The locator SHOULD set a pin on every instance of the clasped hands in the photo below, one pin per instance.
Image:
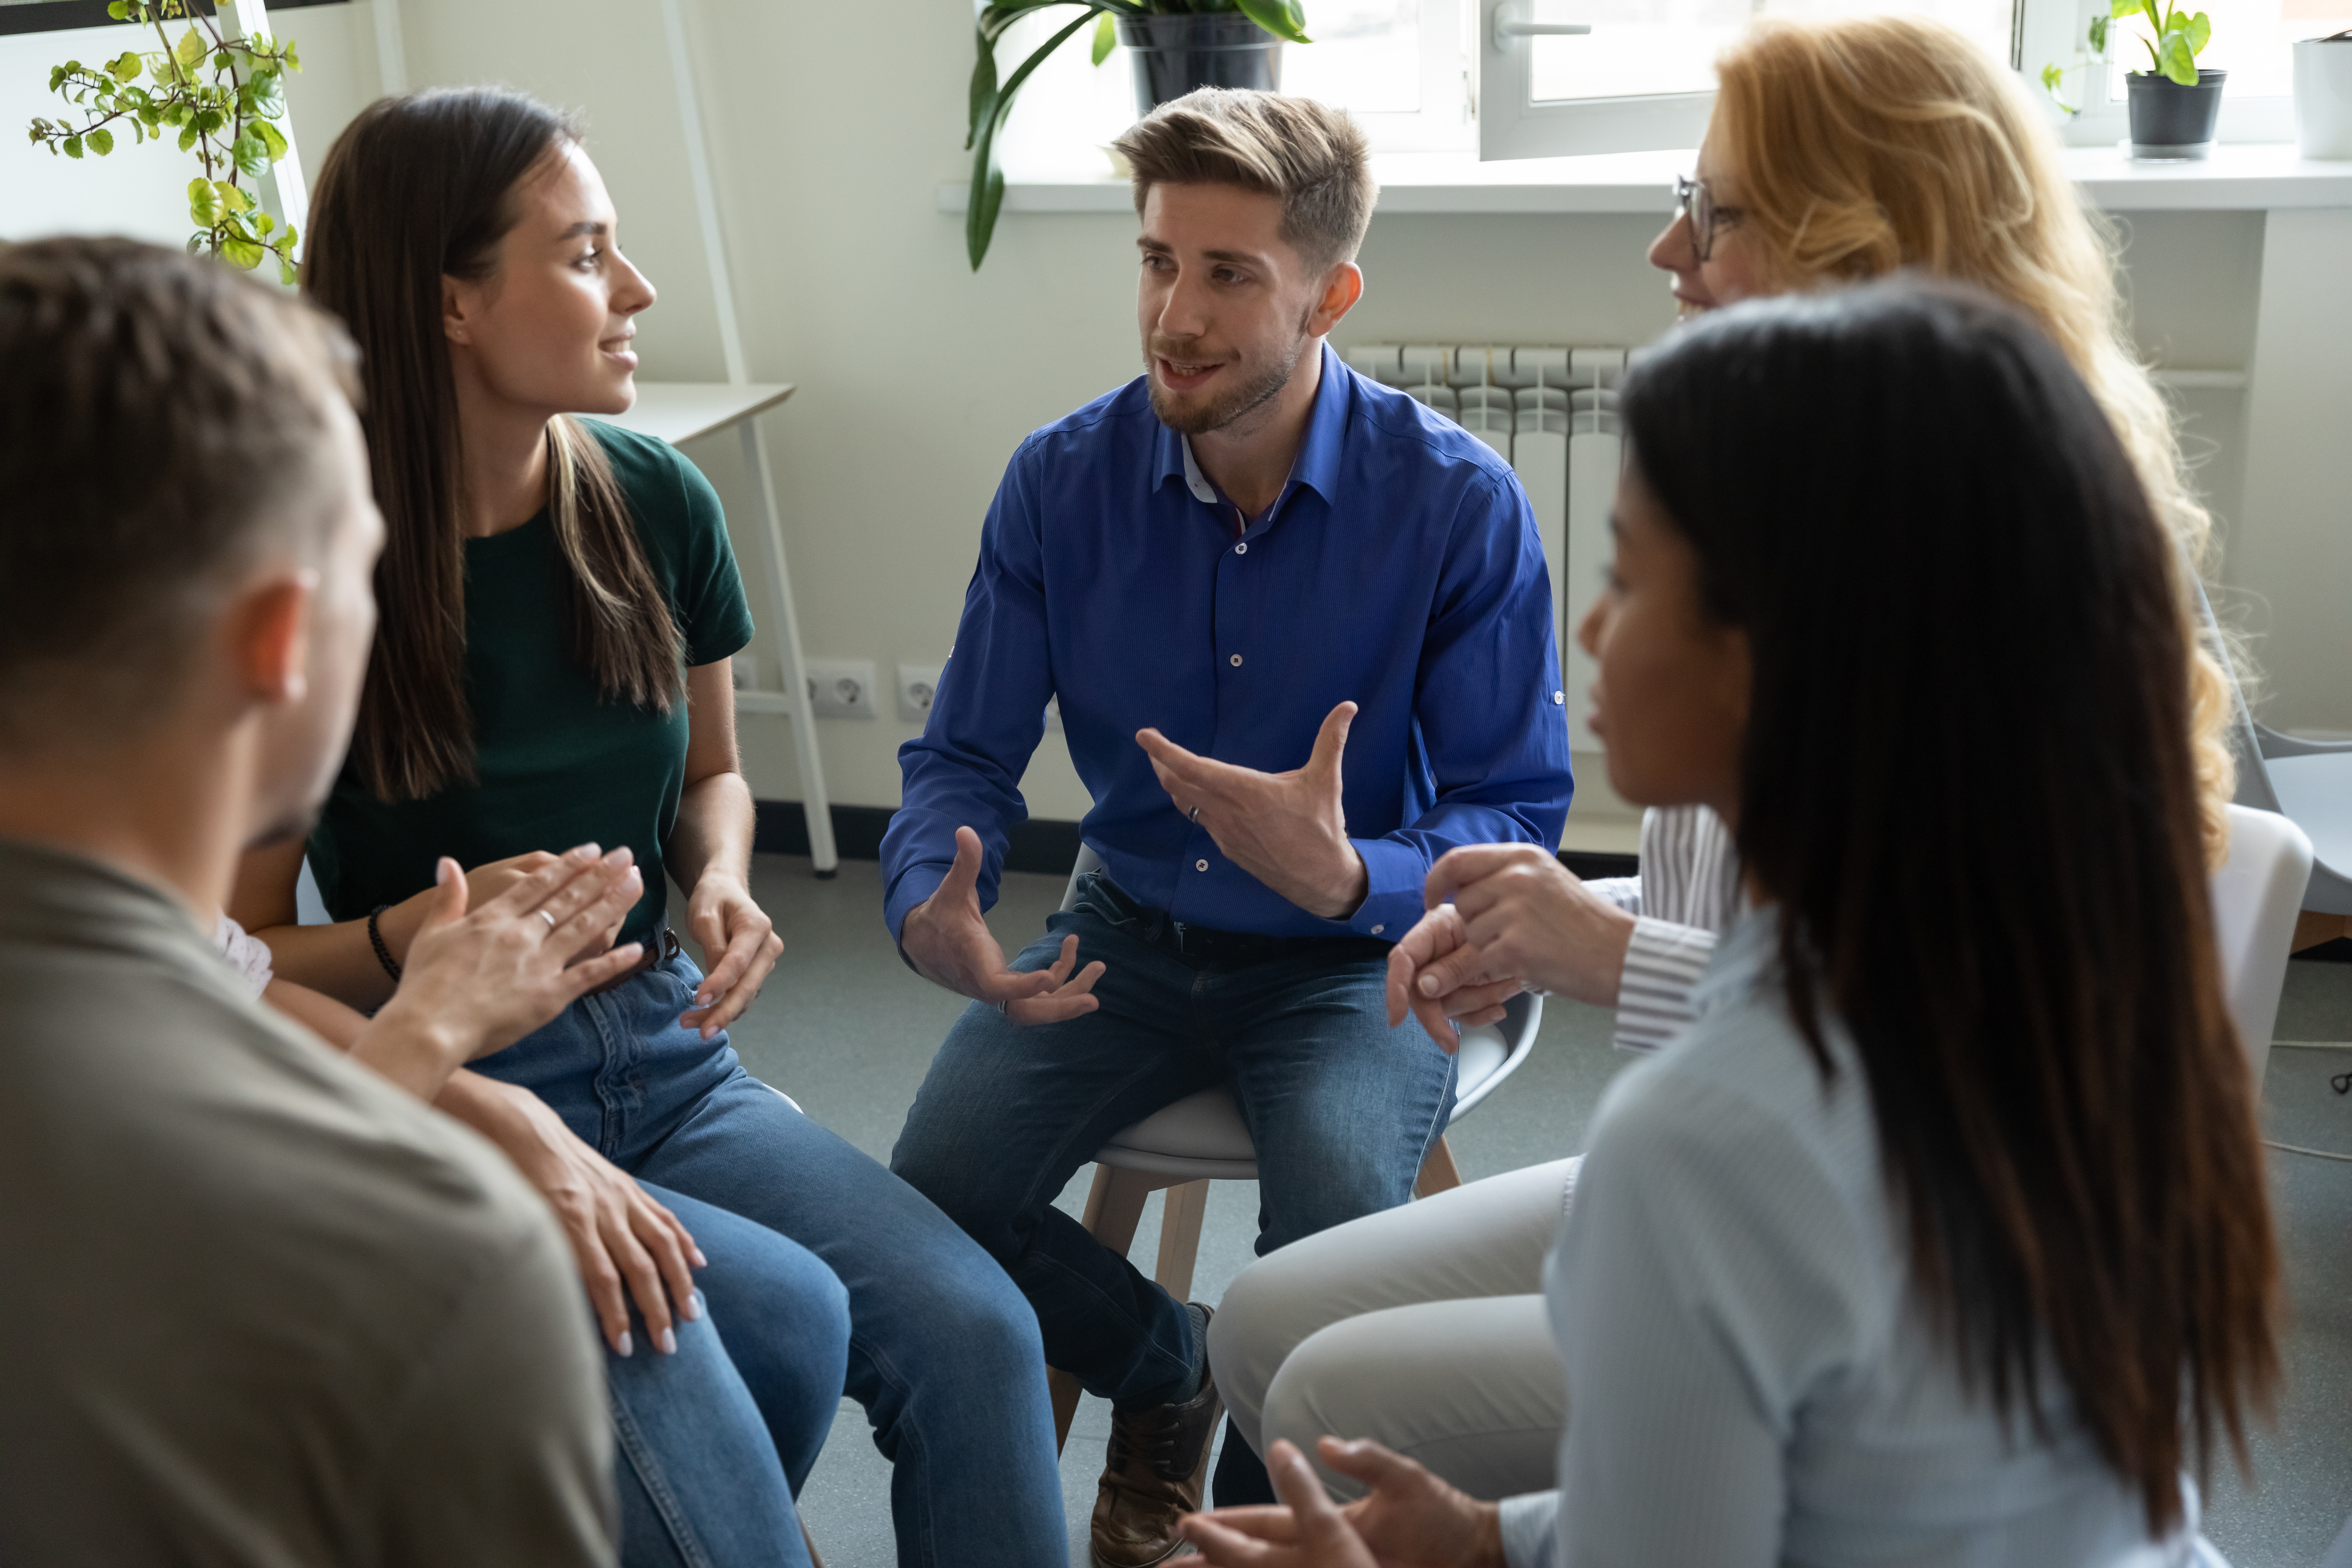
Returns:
(1502, 918)
(1289, 830)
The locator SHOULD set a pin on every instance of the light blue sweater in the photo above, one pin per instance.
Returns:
(1750, 1378)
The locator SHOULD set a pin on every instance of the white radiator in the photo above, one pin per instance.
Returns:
(1552, 413)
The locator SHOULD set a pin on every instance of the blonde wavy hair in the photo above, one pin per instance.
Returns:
(1863, 144)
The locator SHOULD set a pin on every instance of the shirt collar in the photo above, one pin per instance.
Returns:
(1318, 463)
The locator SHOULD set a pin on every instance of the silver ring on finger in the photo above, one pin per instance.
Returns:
(1195, 817)
(550, 919)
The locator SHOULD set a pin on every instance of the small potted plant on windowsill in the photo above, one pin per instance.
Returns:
(1176, 45)
(2174, 106)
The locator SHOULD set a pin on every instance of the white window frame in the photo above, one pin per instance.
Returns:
(1512, 124)
(1445, 120)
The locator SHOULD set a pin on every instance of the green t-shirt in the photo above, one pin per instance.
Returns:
(559, 763)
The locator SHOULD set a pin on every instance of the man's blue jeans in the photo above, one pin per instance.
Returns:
(826, 1274)
(1342, 1109)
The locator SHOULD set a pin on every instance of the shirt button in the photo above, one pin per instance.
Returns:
(1377, 930)
(1241, 549)
(1199, 865)
(1560, 699)
(1235, 661)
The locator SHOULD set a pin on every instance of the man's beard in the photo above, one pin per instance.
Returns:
(1253, 389)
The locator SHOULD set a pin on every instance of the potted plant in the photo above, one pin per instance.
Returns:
(2173, 105)
(1176, 45)
(218, 94)
(2054, 76)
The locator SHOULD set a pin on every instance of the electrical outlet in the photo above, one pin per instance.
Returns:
(841, 687)
(918, 684)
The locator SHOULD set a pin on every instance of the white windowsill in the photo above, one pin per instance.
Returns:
(2239, 177)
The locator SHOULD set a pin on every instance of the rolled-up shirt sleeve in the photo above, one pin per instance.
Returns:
(1530, 1528)
(1662, 964)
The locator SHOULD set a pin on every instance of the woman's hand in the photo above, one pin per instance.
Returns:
(478, 980)
(740, 948)
(1409, 1519)
(1442, 980)
(626, 1244)
(1528, 915)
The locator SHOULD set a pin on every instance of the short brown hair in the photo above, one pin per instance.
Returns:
(163, 422)
(1313, 156)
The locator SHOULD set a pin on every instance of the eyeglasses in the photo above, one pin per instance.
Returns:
(1695, 201)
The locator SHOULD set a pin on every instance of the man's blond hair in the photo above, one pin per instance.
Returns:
(1312, 156)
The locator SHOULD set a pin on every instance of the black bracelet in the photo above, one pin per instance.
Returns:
(376, 940)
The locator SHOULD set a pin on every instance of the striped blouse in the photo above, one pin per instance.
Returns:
(1688, 892)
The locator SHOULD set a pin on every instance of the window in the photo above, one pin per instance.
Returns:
(1401, 67)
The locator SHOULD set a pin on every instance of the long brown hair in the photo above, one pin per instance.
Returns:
(1867, 143)
(415, 189)
(1987, 852)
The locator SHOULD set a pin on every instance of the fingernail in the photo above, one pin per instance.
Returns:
(585, 853)
(693, 1301)
(1429, 985)
(627, 1347)
(620, 857)
(668, 1343)
(699, 1262)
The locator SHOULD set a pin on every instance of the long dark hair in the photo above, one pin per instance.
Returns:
(1968, 784)
(415, 189)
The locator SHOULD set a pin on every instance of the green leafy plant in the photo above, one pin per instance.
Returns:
(219, 95)
(2176, 40)
(2054, 78)
(991, 96)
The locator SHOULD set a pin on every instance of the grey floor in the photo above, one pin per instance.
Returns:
(847, 1031)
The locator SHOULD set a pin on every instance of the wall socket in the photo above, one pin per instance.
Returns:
(841, 687)
(918, 684)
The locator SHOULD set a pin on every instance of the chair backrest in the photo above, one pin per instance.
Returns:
(1087, 861)
(2256, 895)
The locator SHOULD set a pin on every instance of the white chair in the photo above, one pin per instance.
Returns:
(1202, 1138)
(2257, 894)
(2309, 783)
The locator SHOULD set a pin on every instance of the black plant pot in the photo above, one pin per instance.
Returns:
(1174, 54)
(2169, 121)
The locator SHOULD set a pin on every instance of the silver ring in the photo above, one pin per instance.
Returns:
(550, 919)
(1196, 815)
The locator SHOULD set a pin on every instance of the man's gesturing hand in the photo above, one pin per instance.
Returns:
(1288, 830)
(950, 944)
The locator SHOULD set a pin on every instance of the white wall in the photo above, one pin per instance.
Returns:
(832, 125)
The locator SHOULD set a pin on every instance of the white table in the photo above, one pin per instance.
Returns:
(679, 411)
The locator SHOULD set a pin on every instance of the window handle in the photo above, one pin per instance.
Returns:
(1509, 27)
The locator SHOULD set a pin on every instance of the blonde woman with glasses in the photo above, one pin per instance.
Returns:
(1839, 151)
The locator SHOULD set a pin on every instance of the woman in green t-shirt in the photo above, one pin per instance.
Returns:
(558, 603)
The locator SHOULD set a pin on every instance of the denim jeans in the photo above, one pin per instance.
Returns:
(827, 1274)
(1341, 1107)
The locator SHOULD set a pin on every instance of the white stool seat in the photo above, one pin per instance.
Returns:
(1202, 1137)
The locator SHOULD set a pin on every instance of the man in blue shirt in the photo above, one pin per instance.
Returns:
(1300, 629)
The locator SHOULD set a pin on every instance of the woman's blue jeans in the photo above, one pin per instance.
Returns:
(827, 1274)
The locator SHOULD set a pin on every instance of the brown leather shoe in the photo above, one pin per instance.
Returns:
(1157, 1464)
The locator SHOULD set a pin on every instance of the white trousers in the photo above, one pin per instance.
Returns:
(1422, 1328)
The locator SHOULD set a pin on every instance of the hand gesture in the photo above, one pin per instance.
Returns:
(1409, 1519)
(950, 944)
(1444, 981)
(477, 979)
(626, 1244)
(1530, 916)
(1288, 830)
(740, 949)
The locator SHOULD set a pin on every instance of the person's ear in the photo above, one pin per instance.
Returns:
(458, 301)
(1342, 286)
(268, 632)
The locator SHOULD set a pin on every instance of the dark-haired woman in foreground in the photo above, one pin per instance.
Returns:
(1941, 1236)
(559, 604)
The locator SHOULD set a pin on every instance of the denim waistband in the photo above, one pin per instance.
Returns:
(1201, 943)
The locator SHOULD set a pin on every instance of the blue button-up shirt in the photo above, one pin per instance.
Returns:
(1400, 569)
